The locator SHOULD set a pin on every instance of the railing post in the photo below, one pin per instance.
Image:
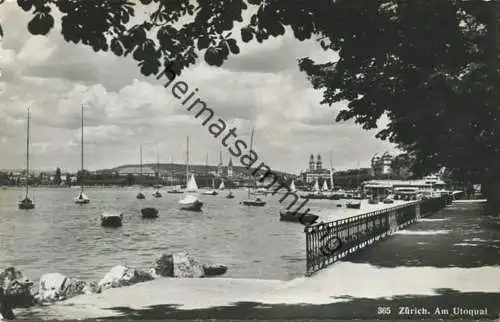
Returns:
(393, 223)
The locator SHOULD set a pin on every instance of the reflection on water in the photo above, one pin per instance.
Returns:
(60, 236)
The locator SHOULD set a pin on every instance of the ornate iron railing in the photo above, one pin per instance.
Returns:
(328, 242)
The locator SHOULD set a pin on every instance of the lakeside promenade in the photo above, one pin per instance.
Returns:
(448, 261)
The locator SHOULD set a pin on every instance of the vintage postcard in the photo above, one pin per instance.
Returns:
(249, 160)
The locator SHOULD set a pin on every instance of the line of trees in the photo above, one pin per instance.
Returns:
(431, 67)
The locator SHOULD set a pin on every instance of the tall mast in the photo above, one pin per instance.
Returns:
(140, 159)
(187, 160)
(27, 151)
(157, 163)
(251, 145)
(357, 176)
(81, 153)
(331, 171)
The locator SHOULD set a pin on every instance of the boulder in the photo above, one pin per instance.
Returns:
(178, 265)
(121, 275)
(187, 266)
(214, 269)
(57, 287)
(91, 288)
(16, 288)
(164, 266)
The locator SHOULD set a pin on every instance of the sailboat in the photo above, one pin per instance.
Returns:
(190, 202)
(253, 202)
(325, 186)
(230, 195)
(140, 195)
(292, 186)
(211, 192)
(352, 203)
(27, 203)
(81, 199)
(316, 187)
(221, 186)
(316, 192)
(157, 193)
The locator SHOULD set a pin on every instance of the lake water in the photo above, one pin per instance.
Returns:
(60, 236)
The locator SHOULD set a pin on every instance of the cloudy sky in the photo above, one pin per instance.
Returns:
(261, 87)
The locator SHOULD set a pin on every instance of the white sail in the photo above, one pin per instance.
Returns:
(191, 185)
(221, 186)
(316, 186)
(292, 186)
(325, 186)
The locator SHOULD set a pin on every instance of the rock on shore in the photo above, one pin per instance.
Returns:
(54, 287)
(183, 265)
(17, 291)
(214, 269)
(16, 288)
(121, 275)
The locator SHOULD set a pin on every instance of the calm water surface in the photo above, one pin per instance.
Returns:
(60, 236)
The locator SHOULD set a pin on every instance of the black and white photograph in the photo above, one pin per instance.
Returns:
(249, 160)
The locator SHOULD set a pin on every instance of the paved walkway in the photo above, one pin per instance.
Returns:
(443, 267)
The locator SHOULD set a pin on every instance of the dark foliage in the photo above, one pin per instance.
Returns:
(429, 66)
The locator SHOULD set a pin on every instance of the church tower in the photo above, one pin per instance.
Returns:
(312, 166)
(220, 165)
(230, 168)
(319, 165)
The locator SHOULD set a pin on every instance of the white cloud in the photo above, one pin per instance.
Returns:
(261, 87)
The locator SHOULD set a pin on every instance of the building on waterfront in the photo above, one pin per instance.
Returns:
(382, 165)
(315, 171)
(136, 170)
(428, 184)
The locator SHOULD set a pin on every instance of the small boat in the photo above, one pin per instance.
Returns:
(389, 199)
(373, 201)
(302, 217)
(339, 205)
(260, 191)
(353, 205)
(111, 219)
(190, 202)
(82, 199)
(140, 195)
(157, 194)
(257, 202)
(335, 196)
(254, 202)
(177, 189)
(316, 195)
(149, 213)
(210, 192)
(230, 195)
(27, 203)
(325, 187)
(221, 186)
